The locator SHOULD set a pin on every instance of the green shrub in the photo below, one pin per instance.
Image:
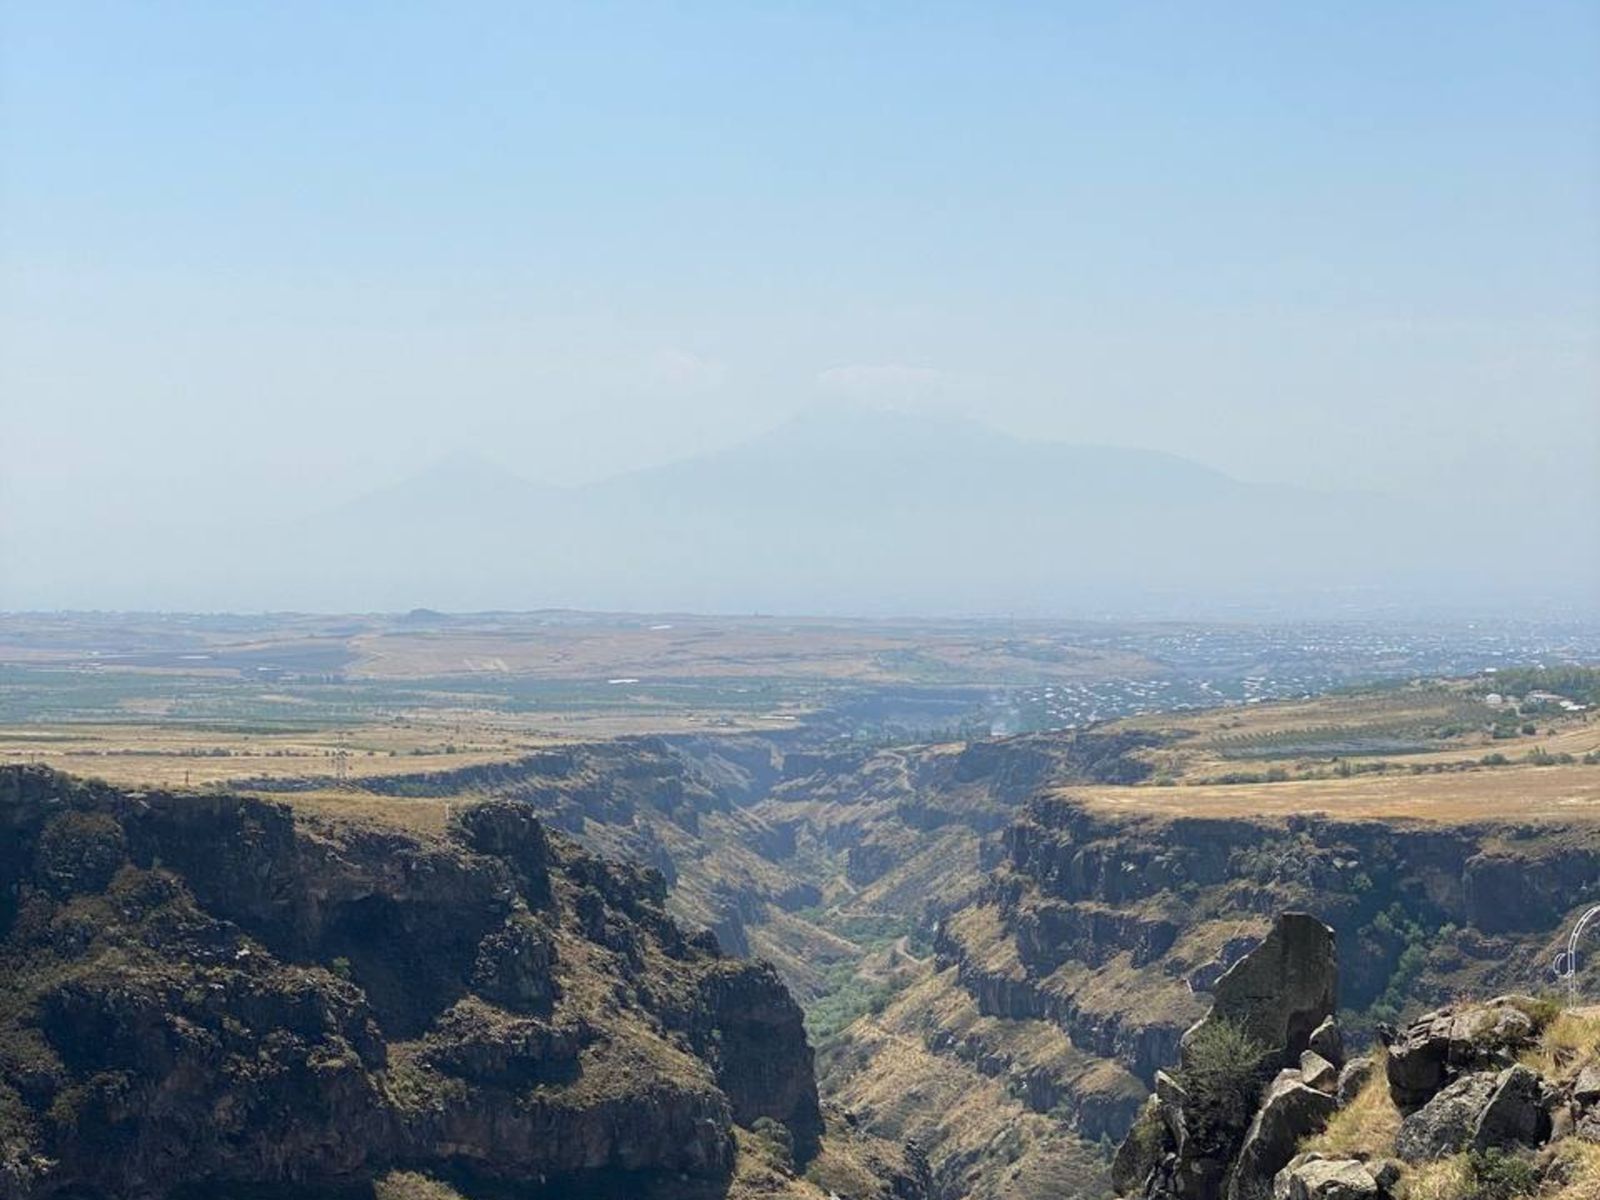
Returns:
(1149, 1134)
(1497, 1175)
(778, 1138)
(1541, 1010)
(1222, 1073)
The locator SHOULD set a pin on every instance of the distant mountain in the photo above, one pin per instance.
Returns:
(461, 485)
(881, 459)
(849, 509)
(842, 508)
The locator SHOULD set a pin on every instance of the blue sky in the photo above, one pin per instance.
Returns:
(323, 244)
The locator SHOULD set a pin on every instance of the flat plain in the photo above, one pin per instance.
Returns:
(326, 702)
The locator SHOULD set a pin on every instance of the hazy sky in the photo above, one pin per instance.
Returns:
(294, 250)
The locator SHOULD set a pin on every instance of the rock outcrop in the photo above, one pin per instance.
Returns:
(1322, 1177)
(1481, 1111)
(1446, 1122)
(1451, 1077)
(1197, 1139)
(1445, 1044)
(1290, 1111)
(1283, 990)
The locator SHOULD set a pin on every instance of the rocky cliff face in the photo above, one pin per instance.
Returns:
(1073, 967)
(213, 991)
(1117, 928)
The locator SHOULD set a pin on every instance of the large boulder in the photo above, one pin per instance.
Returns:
(1516, 1112)
(1446, 1123)
(1284, 989)
(1586, 1088)
(1353, 1076)
(1320, 1177)
(1289, 1112)
(1277, 996)
(1319, 1073)
(1480, 1111)
(1447, 1043)
(1327, 1040)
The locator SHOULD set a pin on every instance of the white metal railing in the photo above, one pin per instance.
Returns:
(1566, 964)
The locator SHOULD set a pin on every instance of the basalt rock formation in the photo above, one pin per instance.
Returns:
(203, 992)
(1117, 928)
(1283, 992)
(1197, 1139)
(1457, 1083)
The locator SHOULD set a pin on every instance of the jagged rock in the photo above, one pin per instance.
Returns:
(729, 912)
(79, 852)
(1482, 1110)
(1283, 989)
(1588, 1126)
(1143, 1149)
(484, 1045)
(1204, 977)
(1515, 1113)
(754, 1037)
(1328, 1040)
(513, 832)
(1352, 1078)
(1319, 1177)
(1278, 994)
(1289, 1112)
(1440, 1046)
(515, 966)
(1586, 1088)
(1172, 1098)
(1445, 1124)
(1319, 1073)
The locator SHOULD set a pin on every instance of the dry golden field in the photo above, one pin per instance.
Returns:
(1445, 779)
(157, 754)
(1561, 793)
(571, 647)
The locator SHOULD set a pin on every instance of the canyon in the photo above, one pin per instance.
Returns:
(586, 965)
